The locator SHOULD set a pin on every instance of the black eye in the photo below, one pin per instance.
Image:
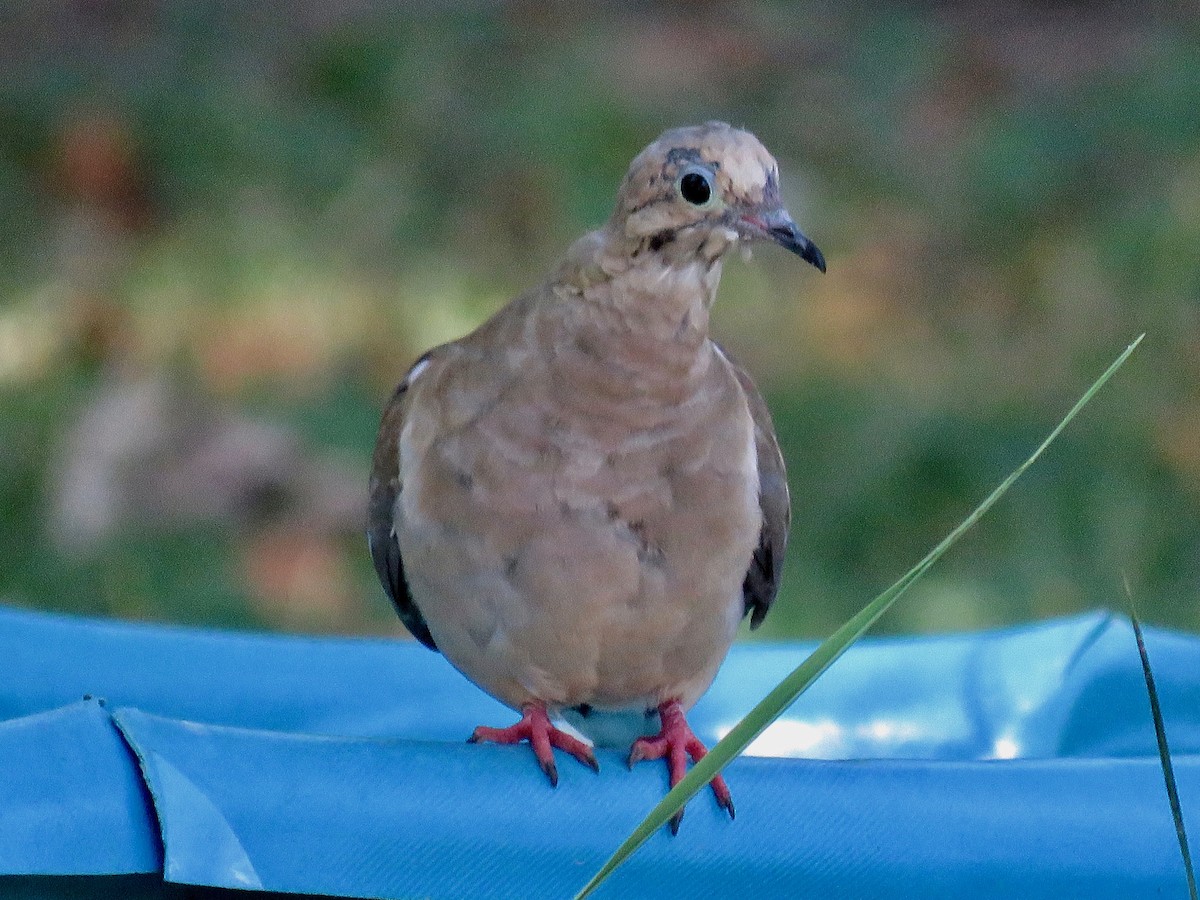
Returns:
(695, 188)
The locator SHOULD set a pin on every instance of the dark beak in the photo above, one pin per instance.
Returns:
(779, 227)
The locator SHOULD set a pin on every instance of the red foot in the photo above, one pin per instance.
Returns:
(676, 742)
(535, 727)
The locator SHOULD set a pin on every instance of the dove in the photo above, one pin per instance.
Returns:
(578, 502)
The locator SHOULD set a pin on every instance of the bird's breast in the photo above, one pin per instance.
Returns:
(575, 547)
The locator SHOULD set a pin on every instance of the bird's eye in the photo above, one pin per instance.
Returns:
(695, 186)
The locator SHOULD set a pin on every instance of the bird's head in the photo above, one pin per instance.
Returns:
(703, 188)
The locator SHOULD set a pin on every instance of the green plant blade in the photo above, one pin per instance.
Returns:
(786, 692)
(1164, 752)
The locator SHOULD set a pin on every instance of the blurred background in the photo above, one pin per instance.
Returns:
(227, 229)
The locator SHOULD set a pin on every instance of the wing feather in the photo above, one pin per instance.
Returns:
(386, 483)
(766, 565)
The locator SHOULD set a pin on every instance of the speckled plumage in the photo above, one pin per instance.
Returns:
(577, 502)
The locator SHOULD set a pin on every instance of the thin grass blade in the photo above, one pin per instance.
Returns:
(1164, 752)
(786, 692)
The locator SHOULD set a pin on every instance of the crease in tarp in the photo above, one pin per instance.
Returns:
(183, 808)
(183, 801)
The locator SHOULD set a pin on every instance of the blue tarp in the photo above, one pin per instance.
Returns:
(1015, 763)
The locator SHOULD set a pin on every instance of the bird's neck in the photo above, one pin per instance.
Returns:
(660, 286)
(640, 322)
(665, 302)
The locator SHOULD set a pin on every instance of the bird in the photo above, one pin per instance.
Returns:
(579, 501)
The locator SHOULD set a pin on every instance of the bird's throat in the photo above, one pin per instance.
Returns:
(641, 336)
(667, 303)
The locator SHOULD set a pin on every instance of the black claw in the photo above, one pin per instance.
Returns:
(551, 771)
(728, 805)
(473, 739)
(594, 764)
(674, 823)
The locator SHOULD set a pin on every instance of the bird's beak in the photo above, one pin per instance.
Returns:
(779, 227)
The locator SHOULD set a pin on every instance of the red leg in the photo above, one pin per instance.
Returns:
(675, 742)
(535, 727)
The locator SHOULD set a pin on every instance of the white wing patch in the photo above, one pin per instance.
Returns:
(421, 365)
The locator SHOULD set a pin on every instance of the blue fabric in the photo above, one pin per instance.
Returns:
(71, 799)
(338, 766)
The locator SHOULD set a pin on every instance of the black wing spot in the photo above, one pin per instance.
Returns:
(389, 566)
(758, 589)
(660, 240)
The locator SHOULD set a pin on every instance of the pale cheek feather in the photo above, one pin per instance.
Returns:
(746, 173)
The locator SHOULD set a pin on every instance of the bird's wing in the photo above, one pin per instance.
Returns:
(381, 510)
(766, 566)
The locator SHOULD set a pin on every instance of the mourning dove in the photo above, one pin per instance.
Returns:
(579, 501)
